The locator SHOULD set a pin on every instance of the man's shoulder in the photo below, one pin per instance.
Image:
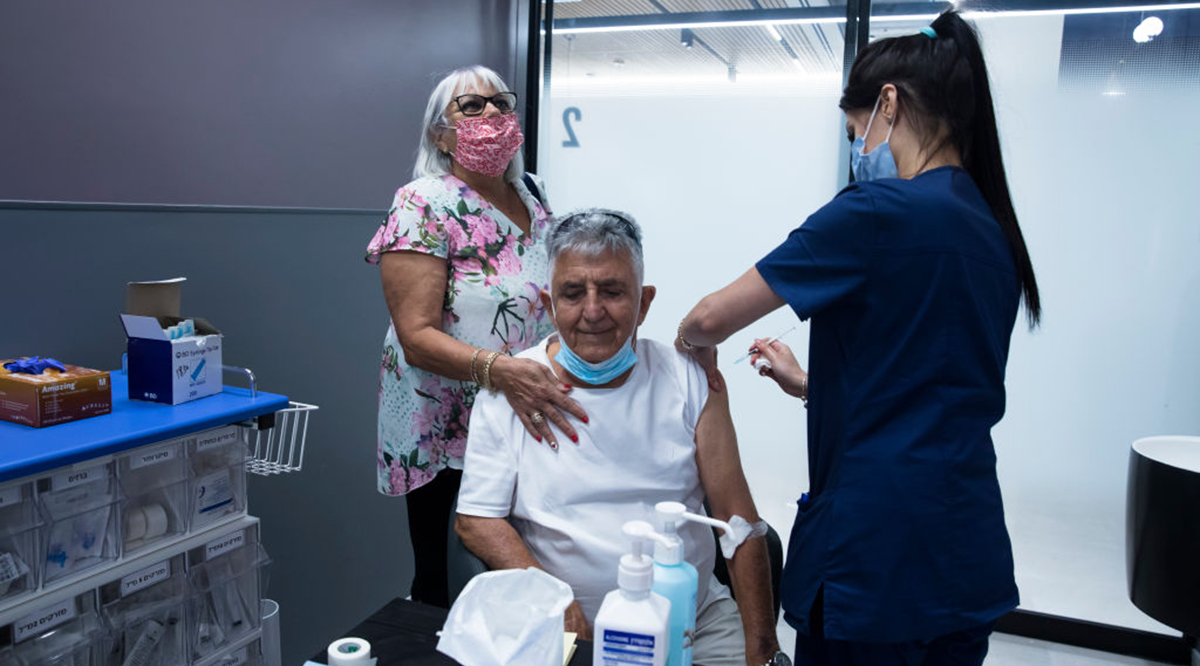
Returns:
(537, 352)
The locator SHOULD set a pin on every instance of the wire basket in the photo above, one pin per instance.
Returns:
(280, 449)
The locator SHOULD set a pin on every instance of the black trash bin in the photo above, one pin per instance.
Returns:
(1162, 531)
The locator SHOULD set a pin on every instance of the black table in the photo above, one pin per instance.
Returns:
(405, 632)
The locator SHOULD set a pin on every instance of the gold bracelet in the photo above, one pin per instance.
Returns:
(487, 371)
(687, 346)
(474, 375)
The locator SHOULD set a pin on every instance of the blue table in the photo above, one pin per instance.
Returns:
(132, 423)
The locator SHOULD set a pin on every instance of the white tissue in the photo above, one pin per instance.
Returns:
(506, 617)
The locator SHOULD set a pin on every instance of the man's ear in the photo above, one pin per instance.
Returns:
(648, 293)
(547, 303)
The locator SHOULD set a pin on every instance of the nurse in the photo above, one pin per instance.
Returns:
(912, 277)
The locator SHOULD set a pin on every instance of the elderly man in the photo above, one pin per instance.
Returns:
(655, 432)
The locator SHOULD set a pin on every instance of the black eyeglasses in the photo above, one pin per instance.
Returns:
(474, 105)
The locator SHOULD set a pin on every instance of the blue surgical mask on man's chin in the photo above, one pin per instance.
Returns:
(600, 373)
(879, 163)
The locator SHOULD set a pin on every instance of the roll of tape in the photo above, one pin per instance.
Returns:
(350, 652)
(135, 524)
(156, 520)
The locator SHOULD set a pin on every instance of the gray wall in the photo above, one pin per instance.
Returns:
(308, 103)
(289, 289)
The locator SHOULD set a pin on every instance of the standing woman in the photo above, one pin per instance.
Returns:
(913, 277)
(462, 257)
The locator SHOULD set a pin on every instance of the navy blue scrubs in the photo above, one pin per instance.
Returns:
(913, 296)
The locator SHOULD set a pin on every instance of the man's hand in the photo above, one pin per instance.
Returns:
(574, 621)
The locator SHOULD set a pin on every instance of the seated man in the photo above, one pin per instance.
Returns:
(654, 432)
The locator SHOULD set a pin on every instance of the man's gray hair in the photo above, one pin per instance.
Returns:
(431, 161)
(594, 230)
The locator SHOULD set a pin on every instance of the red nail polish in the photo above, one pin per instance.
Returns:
(585, 419)
(575, 438)
(567, 386)
(538, 438)
(553, 446)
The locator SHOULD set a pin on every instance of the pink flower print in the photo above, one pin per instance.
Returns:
(425, 420)
(457, 447)
(491, 280)
(533, 303)
(417, 200)
(455, 234)
(397, 477)
(506, 261)
(418, 477)
(430, 385)
(483, 230)
(467, 266)
(431, 226)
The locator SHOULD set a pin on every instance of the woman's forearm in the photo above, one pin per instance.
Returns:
(729, 310)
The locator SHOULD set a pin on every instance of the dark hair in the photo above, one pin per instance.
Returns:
(943, 84)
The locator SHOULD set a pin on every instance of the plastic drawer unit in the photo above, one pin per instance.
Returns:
(227, 578)
(20, 540)
(79, 506)
(66, 633)
(156, 507)
(146, 613)
(218, 462)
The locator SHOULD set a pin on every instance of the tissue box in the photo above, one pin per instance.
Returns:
(52, 396)
(161, 369)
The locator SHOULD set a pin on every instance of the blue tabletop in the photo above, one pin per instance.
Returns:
(132, 423)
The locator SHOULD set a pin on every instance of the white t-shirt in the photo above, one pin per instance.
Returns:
(638, 449)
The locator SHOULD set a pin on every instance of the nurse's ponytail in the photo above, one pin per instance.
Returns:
(942, 79)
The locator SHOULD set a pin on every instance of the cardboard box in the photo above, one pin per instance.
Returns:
(161, 369)
(53, 396)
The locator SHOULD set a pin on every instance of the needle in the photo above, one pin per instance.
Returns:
(755, 350)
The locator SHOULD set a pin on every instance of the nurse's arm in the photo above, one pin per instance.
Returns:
(728, 495)
(725, 312)
(494, 541)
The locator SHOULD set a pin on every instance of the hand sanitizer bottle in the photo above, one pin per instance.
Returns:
(631, 627)
(676, 580)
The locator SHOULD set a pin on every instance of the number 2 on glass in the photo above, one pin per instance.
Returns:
(569, 113)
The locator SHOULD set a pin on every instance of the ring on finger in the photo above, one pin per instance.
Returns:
(537, 418)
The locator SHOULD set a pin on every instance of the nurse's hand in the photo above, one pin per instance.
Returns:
(707, 358)
(783, 368)
(575, 622)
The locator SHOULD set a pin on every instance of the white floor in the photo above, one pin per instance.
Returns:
(1006, 650)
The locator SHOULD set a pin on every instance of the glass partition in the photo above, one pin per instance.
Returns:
(715, 123)
(1096, 146)
(719, 134)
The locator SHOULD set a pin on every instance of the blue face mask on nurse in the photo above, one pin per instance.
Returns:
(878, 163)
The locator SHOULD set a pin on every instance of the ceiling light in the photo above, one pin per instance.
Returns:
(774, 33)
(879, 19)
(1149, 29)
(687, 38)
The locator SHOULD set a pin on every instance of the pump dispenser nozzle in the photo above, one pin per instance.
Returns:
(670, 515)
(636, 573)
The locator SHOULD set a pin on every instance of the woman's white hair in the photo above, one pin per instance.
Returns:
(431, 161)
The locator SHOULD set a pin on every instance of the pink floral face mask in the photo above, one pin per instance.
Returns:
(487, 145)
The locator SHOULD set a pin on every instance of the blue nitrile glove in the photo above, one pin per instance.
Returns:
(34, 366)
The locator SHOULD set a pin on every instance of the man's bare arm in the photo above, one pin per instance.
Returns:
(494, 541)
(728, 495)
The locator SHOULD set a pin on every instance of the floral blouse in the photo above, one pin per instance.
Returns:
(494, 272)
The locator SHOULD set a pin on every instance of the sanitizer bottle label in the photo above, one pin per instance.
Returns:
(622, 648)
